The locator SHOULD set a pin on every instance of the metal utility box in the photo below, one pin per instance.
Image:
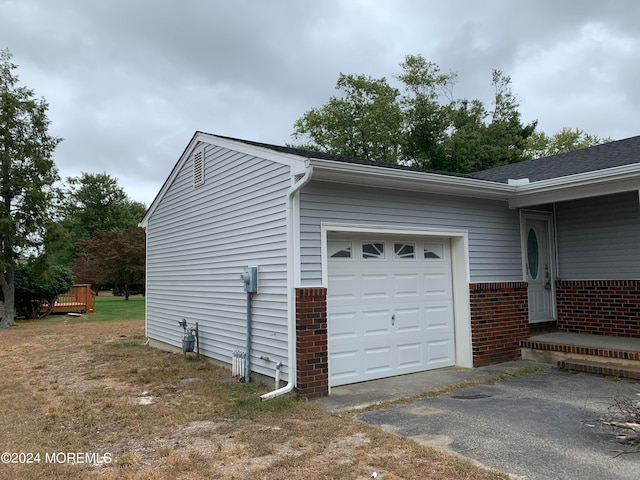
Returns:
(249, 277)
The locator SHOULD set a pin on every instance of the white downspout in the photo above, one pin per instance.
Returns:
(291, 265)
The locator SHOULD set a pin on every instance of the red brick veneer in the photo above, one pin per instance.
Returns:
(499, 321)
(312, 361)
(601, 307)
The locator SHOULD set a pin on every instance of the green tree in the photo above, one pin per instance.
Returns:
(542, 145)
(365, 121)
(480, 139)
(424, 127)
(428, 109)
(95, 201)
(27, 176)
(116, 256)
(91, 203)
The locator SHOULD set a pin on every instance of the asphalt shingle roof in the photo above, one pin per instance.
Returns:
(340, 158)
(607, 155)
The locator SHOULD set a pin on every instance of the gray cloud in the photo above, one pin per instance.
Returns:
(129, 82)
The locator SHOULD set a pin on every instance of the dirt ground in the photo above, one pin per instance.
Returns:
(85, 399)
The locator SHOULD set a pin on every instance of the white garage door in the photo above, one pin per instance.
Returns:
(390, 307)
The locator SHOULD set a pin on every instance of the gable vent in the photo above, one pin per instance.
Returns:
(198, 167)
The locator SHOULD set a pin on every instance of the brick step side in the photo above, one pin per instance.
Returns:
(599, 368)
(612, 353)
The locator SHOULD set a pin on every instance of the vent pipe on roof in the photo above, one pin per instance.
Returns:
(518, 182)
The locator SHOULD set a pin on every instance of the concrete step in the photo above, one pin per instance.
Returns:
(609, 369)
(552, 348)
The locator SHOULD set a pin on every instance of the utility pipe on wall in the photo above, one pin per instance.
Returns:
(247, 368)
(249, 277)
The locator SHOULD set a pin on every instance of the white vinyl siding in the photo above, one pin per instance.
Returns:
(200, 239)
(599, 238)
(494, 229)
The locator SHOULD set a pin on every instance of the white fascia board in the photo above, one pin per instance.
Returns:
(589, 184)
(376, 176)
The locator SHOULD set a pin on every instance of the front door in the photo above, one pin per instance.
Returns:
(539, 267)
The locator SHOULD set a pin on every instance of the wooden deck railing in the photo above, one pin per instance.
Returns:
(79, 299)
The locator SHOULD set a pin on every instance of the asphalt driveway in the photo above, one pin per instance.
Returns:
(538, 426)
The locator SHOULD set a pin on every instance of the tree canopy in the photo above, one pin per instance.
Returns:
(542, 145)
(27, 176)
(365, 122)
(423, 125)
(95, 201)
(88, 204)
(116, 256)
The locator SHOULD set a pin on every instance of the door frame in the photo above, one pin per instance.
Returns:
(549, 218)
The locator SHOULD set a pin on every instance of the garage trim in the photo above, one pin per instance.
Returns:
(460, 274)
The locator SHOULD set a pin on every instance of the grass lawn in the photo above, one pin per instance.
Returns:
(86, 398)
(110, 308)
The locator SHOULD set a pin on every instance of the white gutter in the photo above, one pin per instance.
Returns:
(580, 185)
(291, 265)
(396, 178)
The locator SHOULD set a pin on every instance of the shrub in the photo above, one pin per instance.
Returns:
(37, 286)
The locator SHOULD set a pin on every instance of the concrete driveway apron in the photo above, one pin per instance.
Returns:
(538, 426)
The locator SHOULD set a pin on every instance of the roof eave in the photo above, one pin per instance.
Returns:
(386, 177)
(582, 185)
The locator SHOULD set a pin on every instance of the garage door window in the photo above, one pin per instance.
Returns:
(373, 251)
(433, 251)
(403, 251)
(340, 248)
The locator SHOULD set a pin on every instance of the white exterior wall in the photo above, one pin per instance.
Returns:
(199, 240)
(493, 229)
(599, 238)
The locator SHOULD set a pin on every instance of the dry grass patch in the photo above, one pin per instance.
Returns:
(95, 387)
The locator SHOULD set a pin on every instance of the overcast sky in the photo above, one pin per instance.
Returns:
(128, 82)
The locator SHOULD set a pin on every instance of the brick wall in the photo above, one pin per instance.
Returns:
(601, 307)
(499, 320)
(312, 361)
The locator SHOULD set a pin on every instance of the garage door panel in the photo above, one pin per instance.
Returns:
(375, 322)
(439, 317)
(343, 288)
(406, 285)
(344, 366)
(377, 360)
(408, 320)
(411, 355)
(374, 286)
(438, 285)
(439, 352)
(392, 314)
